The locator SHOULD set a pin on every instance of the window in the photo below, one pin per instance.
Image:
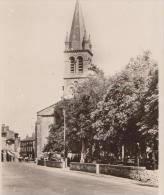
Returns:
(72, 64)
(80, 64)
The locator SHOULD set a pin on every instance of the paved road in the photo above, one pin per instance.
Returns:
(30, 179)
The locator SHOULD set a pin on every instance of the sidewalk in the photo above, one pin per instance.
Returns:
(103, 177)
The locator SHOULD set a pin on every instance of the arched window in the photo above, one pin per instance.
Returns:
(72, 64)
(80, 64)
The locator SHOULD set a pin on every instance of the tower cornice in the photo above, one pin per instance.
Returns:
(77, 51)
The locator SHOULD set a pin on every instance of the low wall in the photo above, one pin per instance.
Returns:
(132, 172)
(86, 167)
(40, 162)
(54, 164)
(121, 171)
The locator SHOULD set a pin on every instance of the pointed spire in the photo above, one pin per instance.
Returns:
(77, 29)
(66, 42)
(89, 40)
(84, 40)
(85, 35)
(66, 39)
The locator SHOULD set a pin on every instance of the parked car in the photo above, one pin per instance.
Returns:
(54, 156)
(26, 159)
(20, 158)
(130, 161)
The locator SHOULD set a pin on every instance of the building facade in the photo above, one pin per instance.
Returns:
(27, 147)
(78, 59)
(45, 118)
(10, 144)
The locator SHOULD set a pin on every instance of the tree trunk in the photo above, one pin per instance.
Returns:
(123, 153)
(83, 151)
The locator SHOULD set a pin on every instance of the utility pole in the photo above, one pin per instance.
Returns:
(64, 116)
(64, 139)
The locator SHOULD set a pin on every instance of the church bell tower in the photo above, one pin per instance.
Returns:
(78, 53)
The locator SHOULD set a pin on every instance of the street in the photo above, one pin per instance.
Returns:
(30, 179)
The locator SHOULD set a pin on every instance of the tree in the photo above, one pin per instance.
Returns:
(119, 114)
(105, 114)
(79, 132)
(85, 100)
(148, 125)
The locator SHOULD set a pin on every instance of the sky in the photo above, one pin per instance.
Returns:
(32, 38)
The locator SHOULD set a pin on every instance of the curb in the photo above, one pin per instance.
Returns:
(109, 176)
(122, 179)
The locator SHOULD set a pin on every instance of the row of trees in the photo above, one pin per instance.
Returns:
(107, 114)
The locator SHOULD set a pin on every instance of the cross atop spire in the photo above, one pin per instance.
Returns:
(77, 30)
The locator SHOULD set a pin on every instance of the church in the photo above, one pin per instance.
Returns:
(78, 59)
